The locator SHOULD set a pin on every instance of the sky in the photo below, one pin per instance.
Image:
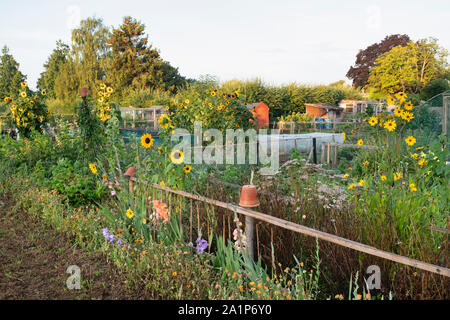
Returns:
(279, 41)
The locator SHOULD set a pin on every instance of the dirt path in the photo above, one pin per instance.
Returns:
(34, 259)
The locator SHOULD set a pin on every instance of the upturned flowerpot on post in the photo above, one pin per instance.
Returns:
(130, 174)
(249, 199)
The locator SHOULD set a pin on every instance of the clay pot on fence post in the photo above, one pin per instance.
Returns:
(130, 174)
(249, 199)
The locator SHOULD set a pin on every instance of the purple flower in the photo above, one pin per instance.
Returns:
(107, 235)
(202, 244)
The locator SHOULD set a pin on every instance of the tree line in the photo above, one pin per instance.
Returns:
(123, 58)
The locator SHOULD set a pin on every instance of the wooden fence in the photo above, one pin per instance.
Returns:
(252, 215)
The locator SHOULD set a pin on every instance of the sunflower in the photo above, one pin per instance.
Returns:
(164, 121)
(360, 142)
(401, 95)
(362, 182)
(365, 163)
(412, 187)
(410, 140)
(383, 178)
(408, 116)
(103, 86)
(373, 121)
(23, 84)
(390, 125)
(423, 162)
(397, 176)
(187, 168)
(100, 100)
(43, 92)
(129, 213)
(160, 150)
(177, 157)
(408, 106)
(93, 168)
(398, 112)
(7, 99)
(23, 94)
(109, 90)
(147, 140)
(390, 101)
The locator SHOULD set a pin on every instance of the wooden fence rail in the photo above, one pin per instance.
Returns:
(312, 232)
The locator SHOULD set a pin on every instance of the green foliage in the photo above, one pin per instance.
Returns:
(28, 110)
(52, 68)
(408, 68)
(134, 63)
(434, 87)
(10, 76)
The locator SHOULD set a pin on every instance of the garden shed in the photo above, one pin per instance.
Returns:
(142, 117)
(324, 111)
(260, 112)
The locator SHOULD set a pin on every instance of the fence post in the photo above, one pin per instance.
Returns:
(250, 235)
(322, 154)
(445, 98)
(314, 150)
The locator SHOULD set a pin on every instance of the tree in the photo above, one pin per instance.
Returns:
(432, 59)
(408, 68)
(10, 76)
(171, 78)
(395, 70)
(89, 47)
(134, 63)
(365, 59)
(52, 68)
(83, 65)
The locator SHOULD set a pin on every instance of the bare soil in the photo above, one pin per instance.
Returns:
(34, 259)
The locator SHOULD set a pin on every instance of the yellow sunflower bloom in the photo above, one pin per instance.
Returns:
(423, 162)
(23, 84)
(408, 106)
(373, 121)
(408, 116)
(103, 86)
(410, 140)
(129, 213)
(383, 178)
(390, 125)
(398, 112)
(412, 187)
(43, 92)
(93, 168)
(109, 90)
(360, 142)
(362, 182)
(23, 94)
(397, 176)
(390, 101)
(147, 140)
(177, 157)
(187, 168)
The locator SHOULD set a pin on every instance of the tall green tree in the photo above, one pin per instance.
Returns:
(365, 59)
(10, 75)
(408, 68)
(134, 63)
(52, 68)
(89, 47)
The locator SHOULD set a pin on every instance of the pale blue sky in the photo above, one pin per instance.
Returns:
(280, 41)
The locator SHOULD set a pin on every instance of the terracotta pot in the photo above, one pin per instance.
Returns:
(249, 197)
(130, 172)
(83, 92)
